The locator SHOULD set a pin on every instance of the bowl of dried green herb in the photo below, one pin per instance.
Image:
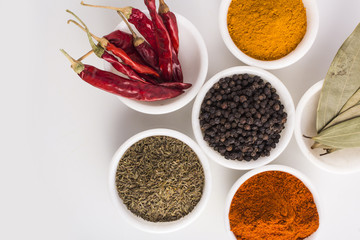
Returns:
(159, 180)
(342, 161)
(328, 115)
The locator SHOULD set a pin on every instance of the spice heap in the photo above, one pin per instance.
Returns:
(338, 113)
(160, 179)
(273, 205)
(242, 117)
(149, 62)
(266, 30)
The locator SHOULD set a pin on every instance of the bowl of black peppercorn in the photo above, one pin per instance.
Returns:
(243, 117)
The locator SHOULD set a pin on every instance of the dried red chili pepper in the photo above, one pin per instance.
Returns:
(170, 23)
(124, 69)
(124, 41)
(141, 22)
(115, 84)
(121, 40)
(101, 53)
(143, 48)
(177, 85)
(120, 53)
(127, 60)
(176, 68)
(164, 46)
(169, 64)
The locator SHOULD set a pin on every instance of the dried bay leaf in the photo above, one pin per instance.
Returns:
(341, 81)
(343, 135)
(327, 149)
(348, 114)
(319, 145)
(354, 100)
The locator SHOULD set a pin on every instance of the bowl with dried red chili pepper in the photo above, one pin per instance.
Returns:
(193, 57)
(273, 202)
(243, 117)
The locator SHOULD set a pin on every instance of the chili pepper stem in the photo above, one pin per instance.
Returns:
(102, 41)
(99, 6)
(85, 28)
(163, 8)
(76, 23)
(98, 50)
(67, 10)
(85, 55)
(77, 66)
(126, 10)
(137, 40)
(126, 22)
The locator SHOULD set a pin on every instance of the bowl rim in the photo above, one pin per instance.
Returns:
(282, 168)
(140, 223)
(189, 94)
(306, 151)
(286, 134)
(312, 16)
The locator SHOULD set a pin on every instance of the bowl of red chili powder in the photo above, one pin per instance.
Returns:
(273, 202)
(269, 34)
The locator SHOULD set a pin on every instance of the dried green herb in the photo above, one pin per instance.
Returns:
(338, 113)
(328, 151)
(348, 114)
(343, 135)
(354, 100)
(319, 145)
(160, 179)
(326, 148)
(341, 81)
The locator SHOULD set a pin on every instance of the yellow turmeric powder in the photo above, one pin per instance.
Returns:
(266, 29)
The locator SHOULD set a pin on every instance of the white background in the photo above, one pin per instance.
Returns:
(58, 134)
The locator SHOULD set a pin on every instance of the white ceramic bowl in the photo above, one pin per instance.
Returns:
(165, 227)
(281, 168)
(344, 161)
(193, 57)
(312, 16)
(286, 134)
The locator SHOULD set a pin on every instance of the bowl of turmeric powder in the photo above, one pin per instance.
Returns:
(269, 34)
(273, 202)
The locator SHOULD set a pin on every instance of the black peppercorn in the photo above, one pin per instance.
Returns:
(242, 117)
